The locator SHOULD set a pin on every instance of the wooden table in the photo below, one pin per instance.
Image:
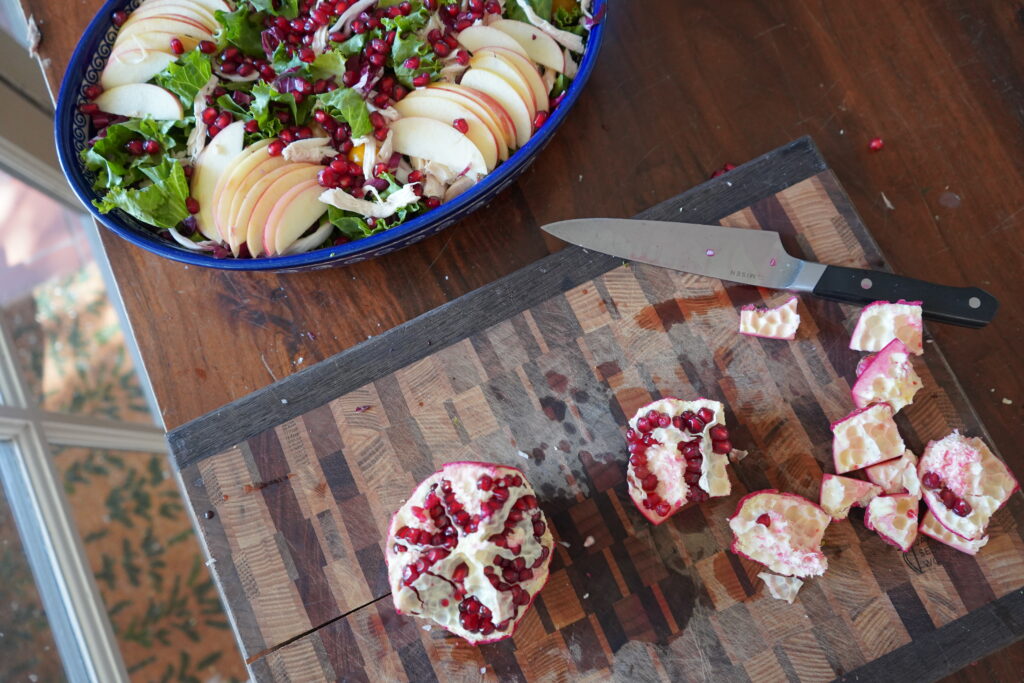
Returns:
(680, 89)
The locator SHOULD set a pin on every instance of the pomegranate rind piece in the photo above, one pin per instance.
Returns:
(770, 323)
(431, 593)
(791, 543)
(781, 587)
(973, 473)
(897, 476)
(881, 322)
(839, 494)
(894, 518)
(665, 461)
(863, 363)
(888, 377)
(931, 528)
(867, 436)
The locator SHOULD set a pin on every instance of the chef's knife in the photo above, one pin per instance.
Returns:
(757, 257)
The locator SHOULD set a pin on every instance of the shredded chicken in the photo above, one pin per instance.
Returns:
(319, 43)
(452, 71)
(351, 13)
(312, 150)
(389, 113)
(197, 138)
(369, 144)
(311, 241)
(189, 244)
(585, 8)
(563, 38)
(387, 148)
(373, 209)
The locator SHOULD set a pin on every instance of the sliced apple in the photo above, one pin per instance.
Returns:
(488, 61)
(183, 7)
(206, 174)
(166, 25)
(536, 44)
(135, 66)
(293, 214)
(260, 201)
(528, 71)
(138, 100)
(484, 106)
(424, 138)
(494, 85)
(447, 111)
(198, 17)
(250, 172)
(211, 5)
(234, 179)
(479, 37)
(152, 41)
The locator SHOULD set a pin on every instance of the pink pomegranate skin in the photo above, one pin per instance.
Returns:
(470, 549)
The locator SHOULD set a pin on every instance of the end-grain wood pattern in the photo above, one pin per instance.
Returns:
(293, 517)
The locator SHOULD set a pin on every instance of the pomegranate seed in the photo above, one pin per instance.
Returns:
(134, 147)
(177, 47)
(643, 425)
(432, 202)
(252, 126)
(765, 520)
(412, 63)
(442, 49)
(695, 425)
(706, 415)
(948, 498)
(246, 68)
(151, 147)
(229, 67)
(119, 17)
(931, 480)
(192, 205)
(93, 91)
(307, 55)
(662, 508)
(539, 528)
(359, 26)
(275, 148)
(421, 80)
(718, 432)
(493, 7)
(638, 459)
(381, 134)
(961, 507)
(650, 482)
(876, 144)
(664, 421)
(722, 446)
(212, 131)
(209, 115)
(207, 47)
(461, 125)
(89, 108)
(224, 120)
(484, 483)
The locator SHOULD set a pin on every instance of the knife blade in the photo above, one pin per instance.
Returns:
(757, 257)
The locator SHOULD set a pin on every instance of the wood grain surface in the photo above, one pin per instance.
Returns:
(681, 88)
(294, 516)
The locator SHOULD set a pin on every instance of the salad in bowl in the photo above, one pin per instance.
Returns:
(267, 128)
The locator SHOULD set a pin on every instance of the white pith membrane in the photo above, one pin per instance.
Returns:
(470, 549)
(897, 476)
(894, 518)
(839, 494)
(682, 472)
(963, 484)
(865, 437)
(881, 322)
(781, 587)
(932, 528)
(772, 323)
(888, 377)
(790, 542)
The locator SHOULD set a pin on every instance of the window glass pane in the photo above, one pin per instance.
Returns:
(164, 608)
(27, 649)
(54, 304)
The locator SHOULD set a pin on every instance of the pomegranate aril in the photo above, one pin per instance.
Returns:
(649, 483)
(764, 520)
(662, 508)
(948, 498)
(484, 483)
(718, 432)
(93, 91)
(643, 425)
(723, 447)
(706, 415)
(151, 147)
(691, 477)
(931, 480)
(962, 507)
(207, 47)
(134, 147)
(275, 148)
(421, 80)
(177, 47)
(209, 115)
(539, 528)
(695, 425)
(461, 125)
(119, 17)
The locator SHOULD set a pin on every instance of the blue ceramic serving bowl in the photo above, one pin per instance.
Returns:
(72, 134)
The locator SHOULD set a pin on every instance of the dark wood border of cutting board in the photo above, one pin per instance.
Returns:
(378, 357)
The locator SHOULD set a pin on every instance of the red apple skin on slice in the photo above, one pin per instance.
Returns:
(256, 221)
(252, 171)
(294, 213)
(165, 7)
(151, 41)
(447, 111)
(482, 105)
(228, 180)
(537, 46)
(493, 85)
(170, 25)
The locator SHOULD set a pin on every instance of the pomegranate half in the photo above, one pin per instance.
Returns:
(678, 451)
(470, 550)
(964, 483)
(782, 531)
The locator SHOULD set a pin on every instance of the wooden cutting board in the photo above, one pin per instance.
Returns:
(293, 487)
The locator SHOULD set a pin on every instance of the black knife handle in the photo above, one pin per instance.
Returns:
(965, 306)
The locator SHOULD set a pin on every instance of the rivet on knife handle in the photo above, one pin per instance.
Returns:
(965, 306)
